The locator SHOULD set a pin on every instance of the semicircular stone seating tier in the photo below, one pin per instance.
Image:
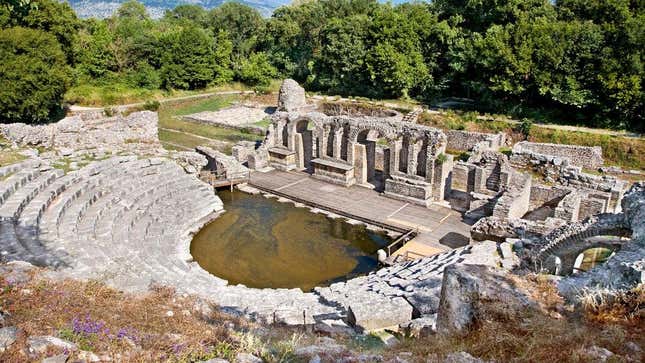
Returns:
(566, 243)
(129, 222)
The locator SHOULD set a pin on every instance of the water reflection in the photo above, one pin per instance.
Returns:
(260, 242)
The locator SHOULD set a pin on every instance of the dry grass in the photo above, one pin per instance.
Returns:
(627, 307)
(139, 328)
(125, 327)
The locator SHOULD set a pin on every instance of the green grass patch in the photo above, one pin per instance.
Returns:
(118, 92)
(177, 138)
(9, 156)
(168, 119)
(263, 123)
(625, 152)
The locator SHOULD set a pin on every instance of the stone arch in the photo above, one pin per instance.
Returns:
(568, 242)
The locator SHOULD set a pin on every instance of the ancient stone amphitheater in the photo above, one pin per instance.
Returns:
(128, 221)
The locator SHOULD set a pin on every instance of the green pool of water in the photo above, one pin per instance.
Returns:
(260, 242)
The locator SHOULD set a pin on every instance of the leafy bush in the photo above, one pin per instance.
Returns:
(152, 105)
(524, 127)
(34, 75)
(144, 76)
(257, 70)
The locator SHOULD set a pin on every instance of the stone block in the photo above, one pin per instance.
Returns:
(380, 314)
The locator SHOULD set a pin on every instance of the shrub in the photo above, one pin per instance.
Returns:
(524, 127)
(34, 75)
(257, 70)
(144, 76)
(152, 105)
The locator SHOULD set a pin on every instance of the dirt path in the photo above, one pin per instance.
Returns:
(76, 108)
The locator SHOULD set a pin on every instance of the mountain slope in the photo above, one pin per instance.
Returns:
(156, 8)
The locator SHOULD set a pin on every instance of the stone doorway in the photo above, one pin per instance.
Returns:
(371, 160)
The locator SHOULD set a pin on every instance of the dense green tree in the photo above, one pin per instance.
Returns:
(187, 14)
(579, 59)
(257, 70)
(243, 24)
(340, 66)
(95, 50)
(50, 16)
(33, 73)
(188, 61)
(394, 62)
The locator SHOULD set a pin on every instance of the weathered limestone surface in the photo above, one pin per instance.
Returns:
(221, 163)
(514, 202)
(291, 97)
(499, 229)
(466, 140)
(342, 149)
(129, 222)
(585, 156)
(465, 291)
(135, 132)
(234, 117)
(418, 281)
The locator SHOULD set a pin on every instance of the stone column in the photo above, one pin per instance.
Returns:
(360, 163)
(413, 153)
(395, 150)
(338, 142)
(386, 163)
(278, 133)
(324, 140)
(300, 151)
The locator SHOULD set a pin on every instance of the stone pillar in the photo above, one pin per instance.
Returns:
(278, 133)
(338, 142)
(395, 150)
(386, 163)
(370, 153)
(270, 138)
(441, 178)
(413, 153)
(300, 151)
(360, 163)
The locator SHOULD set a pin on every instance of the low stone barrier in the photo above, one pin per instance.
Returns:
(466, 140)
(584, 156)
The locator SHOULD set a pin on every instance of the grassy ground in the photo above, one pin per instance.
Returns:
(116, 93)
(7, 155)
(162, 326)
(628, 153)
(190, 134)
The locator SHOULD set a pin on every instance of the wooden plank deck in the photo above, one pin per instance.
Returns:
(440, 227)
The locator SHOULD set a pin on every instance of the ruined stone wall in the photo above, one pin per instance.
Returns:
(466, 140)
(514, 203)
(584, 156)
(135, 131)
(542, 194)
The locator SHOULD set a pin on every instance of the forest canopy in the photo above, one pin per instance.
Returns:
(582, 59)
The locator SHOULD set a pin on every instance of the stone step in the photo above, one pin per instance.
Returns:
(15, 182)
(14, 205)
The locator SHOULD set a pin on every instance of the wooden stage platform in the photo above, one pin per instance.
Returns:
(440, 228)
